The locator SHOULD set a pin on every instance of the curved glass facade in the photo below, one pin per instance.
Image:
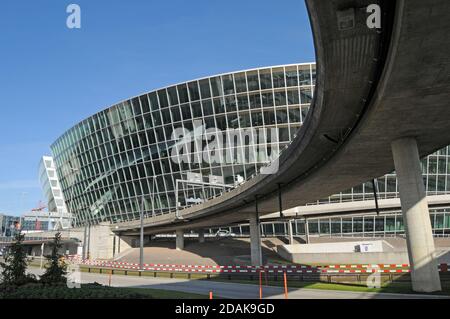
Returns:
(121, 159)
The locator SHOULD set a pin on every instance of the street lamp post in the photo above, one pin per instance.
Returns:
(73, 169)
(141, 242)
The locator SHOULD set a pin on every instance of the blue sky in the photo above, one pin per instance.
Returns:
(52, 77)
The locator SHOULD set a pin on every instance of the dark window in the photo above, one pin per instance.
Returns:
(305, 76)
(144, 103)
(204, 89)
(176, 115)
(255, 100)
(269, 118)
(182, 93)
(291, 76)
(163, 102)
(278, 78)
(219, 106)
(306, 95)
(193, 91)
(173, 98)
(242, 102)
(207, 107)
(153, 101)
(293, 97)
(230, 102)
(294, 115)
(228, 85)
(266, 79)
(166, 116)
(241, 85)
(252, 79)
(156, 118)
(216, 86)
(282, 115)
(196, 109)
(280, 98)
(267, 99)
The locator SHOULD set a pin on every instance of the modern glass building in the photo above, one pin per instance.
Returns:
(122, 158)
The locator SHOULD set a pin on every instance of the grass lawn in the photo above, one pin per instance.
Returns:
(396, 287)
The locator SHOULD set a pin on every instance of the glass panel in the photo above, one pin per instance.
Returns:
(193, 91)
(304, 75)
(207, 107)
(346, 225)
(280, 98)
(242, 102)
(368, 224)
(163, 102)
(173, 97)
(335, 225)
(153, 101)
(255, 101)
(305, 95)
(358, 225)
(278, 78)
(183, 93)
(439, 223)
(216, 86)
(293, 96)
(252, 79)
(204, 89)
(267, 99)
(265, 78)
(379, 223)
(324, 226)
(228, 85)
(313, 226)
(291, 76)
(241, 85)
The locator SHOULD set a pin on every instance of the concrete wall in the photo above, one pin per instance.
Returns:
(101, 242)
(388, 257)
(339, 247)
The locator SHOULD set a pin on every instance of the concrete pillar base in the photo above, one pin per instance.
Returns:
(201, 236)
(255, 240)
(290, 233)
(416, 216)
(179, 240)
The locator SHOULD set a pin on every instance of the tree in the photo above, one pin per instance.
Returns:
(15, 266)
(56, 270)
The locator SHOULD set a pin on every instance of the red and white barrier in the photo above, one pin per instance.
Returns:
(303, 269)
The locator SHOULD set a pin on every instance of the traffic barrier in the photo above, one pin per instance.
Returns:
(289, 269)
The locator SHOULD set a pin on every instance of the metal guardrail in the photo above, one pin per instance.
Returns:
(34, 238)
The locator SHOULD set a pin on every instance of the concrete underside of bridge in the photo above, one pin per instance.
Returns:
(373, 87)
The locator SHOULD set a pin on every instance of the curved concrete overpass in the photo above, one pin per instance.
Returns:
(373, 87)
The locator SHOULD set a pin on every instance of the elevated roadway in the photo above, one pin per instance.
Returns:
(381, 102)
(373, 87)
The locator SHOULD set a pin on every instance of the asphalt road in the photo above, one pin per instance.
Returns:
(233, 290)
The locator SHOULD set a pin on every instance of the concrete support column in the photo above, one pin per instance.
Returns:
(416, 216)
(306, 231)
(201, 236)
(85, 243)
(290, 233)
(255, 240)
(180, 240)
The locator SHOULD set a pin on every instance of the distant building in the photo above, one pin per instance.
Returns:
(36, 221)
(56, 204)
(7, 223)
